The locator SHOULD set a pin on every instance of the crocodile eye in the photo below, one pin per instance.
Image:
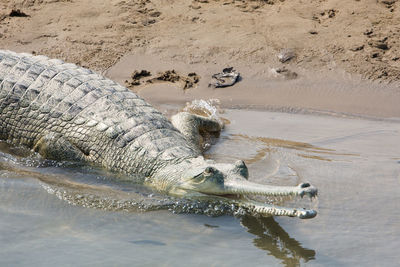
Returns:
(210, 170)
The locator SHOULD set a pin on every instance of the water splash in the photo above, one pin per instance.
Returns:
(207, 108)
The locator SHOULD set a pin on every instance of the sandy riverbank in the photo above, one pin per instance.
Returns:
(345, 52)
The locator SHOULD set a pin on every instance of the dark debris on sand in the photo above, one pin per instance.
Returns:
(136, 76)
(17, 13)
(171, 76)
(227, 77)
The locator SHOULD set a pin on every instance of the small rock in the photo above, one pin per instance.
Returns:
(17, 13)
(288, 74)
(285, 55)
(195, 6)
(383, 74)
(148, 22)
(331, 13)
(155, 14)
(133, 83)
(389, 2)
(357, 48)
(312, 32)
(374, 54)
(368, 32)
(316, 18)
(379, 44)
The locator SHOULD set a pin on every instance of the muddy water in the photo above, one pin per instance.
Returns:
(355, 164)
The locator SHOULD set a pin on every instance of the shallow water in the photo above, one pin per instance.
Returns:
(354, 163)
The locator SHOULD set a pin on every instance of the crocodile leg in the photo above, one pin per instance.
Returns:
(197, 129)
(54, 146)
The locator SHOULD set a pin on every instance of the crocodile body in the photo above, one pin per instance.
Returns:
(66, 112)
(96, 119)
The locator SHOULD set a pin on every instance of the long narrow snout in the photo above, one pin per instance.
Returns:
(244, 187)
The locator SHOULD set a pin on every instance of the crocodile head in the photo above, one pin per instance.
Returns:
(229, 182)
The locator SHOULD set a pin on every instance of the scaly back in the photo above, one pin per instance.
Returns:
(55, 104)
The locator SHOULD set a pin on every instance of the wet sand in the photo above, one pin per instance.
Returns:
(357, 36)
(334, 93)
(338, 48)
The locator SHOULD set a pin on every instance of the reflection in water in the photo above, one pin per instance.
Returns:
(108, 194)
(274, 239)
(113, 194)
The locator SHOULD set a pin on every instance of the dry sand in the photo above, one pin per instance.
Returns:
(347, 53)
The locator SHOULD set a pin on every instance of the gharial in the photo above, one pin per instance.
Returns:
(66, 112)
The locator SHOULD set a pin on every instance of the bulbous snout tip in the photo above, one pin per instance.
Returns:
(306, 214)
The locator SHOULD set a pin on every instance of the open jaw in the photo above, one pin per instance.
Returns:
(235, 193)
(272, 210)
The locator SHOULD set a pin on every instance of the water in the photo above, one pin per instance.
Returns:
(354, 163)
